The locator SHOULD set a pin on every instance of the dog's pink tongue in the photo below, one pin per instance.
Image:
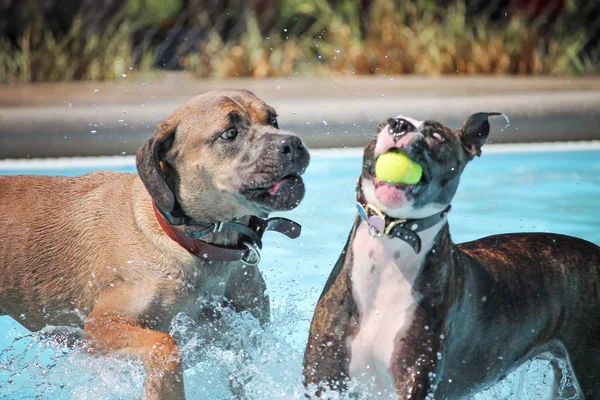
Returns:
(274, 188)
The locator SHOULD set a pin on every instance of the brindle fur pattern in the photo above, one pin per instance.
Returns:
(484, 307)
(485, 303)
(338, 320)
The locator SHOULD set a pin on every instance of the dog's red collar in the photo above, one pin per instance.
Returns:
(249, 254)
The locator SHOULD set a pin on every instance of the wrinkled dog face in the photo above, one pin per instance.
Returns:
(223, 156)
(441, 152)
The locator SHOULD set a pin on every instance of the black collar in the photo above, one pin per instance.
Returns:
(381, 224)
(252, 241)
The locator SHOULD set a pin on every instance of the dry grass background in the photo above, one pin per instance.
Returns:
(313, 37)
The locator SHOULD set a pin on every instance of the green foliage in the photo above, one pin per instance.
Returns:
(394, 37)
(311, 37)
(153, 11)
(42, 55)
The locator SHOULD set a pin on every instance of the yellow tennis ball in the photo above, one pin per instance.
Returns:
(396, 167)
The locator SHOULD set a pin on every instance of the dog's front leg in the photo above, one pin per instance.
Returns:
(416, 382)
(326, 359)
(416, 355)
(245, 291)
(158, 351)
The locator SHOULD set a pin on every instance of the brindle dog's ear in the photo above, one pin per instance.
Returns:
(474, 133)
(148, 165)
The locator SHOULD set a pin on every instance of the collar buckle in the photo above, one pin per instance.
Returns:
(379, 223)
(392, 224)
(249, 254)
(252, 258)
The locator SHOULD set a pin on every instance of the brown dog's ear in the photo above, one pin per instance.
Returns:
(148, 166)
(474, 133)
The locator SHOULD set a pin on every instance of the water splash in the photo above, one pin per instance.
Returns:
(32, 365)
(507, 123)
(265, 361)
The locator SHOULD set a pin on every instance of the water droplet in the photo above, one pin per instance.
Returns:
(324, 122)
(124, 75)
(70, 104)
(93, 132)
(507, 123)
(96, 90)
(123, 153)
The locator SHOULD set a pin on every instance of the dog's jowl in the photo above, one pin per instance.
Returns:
(408, 314)
(127, 252)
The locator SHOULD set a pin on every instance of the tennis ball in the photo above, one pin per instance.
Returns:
(396, 167)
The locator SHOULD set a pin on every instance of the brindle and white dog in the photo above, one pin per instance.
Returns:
(128, 252)
(410, 315)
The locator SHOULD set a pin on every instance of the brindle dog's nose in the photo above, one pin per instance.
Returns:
(290, 145)
(399, 127)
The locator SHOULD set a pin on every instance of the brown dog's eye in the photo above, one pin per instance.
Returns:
(274, 121)
(229, 134)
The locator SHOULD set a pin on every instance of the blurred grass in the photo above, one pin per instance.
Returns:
(43, 55)
(307, 37)
(397, 38)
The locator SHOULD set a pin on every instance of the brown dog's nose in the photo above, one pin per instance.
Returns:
(290, 146)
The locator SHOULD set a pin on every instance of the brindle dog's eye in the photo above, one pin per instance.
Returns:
(229, 134)
(438, 137)
(274, 121)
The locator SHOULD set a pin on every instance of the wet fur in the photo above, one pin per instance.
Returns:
(88, 251)
(492, 308)
(484, 307)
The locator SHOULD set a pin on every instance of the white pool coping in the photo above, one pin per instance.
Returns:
(129, 160)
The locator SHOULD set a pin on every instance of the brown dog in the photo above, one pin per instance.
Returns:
(104, 251)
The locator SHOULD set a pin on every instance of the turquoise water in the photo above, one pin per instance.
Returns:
(500, 192)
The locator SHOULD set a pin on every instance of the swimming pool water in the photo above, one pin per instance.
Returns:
(556, 191)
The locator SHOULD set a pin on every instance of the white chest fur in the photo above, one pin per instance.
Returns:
(383, 273)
